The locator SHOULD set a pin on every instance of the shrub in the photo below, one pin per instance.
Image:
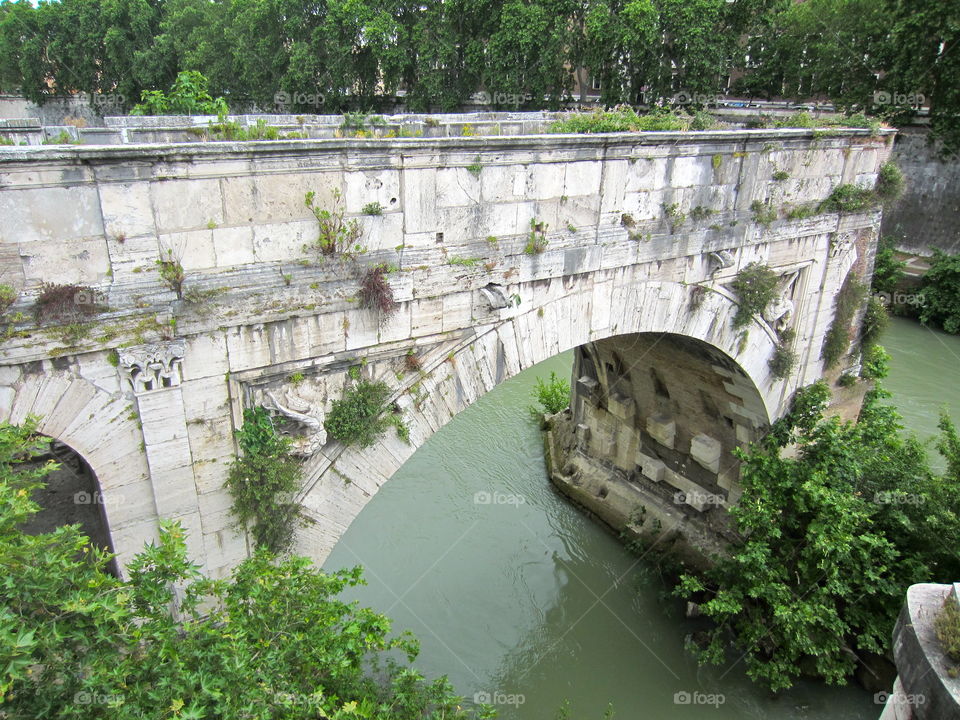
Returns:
(337, 235)
(780, 175)
(837, 339)
(849, 198)
(941, 292)
(674, 215)
(261, 481)
(274, 640)
(947, 626)
(188, 96)
(8, 296)
(357, 418)
(755, 287)
(887, 270)
(763, 213)
(537, 239)
(171, 271)
(875, 321)
(621, 119)
(375, 291)
(65, 303)
(783, 360)
(373, 208)
(876, 363)
(797, 588)
(890, 182)
(553, 394)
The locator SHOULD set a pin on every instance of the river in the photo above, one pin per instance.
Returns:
(523, 601)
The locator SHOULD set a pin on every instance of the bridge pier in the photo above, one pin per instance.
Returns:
(647, 444)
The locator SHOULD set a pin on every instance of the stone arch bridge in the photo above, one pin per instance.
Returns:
(148, 374)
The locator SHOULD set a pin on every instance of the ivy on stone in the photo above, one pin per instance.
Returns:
(262, 481)
(755, 287)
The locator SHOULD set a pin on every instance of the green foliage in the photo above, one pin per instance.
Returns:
(887, 270)
(941, 292)
(337, 235)
(837, 340)
(553, 395)
(890, 182)
(802, 212)
(780, 175)
(262, 480)
(464, 262)
(674, 215)
(876, 363)
(537, 239)
(475, 167)
(849, 198)
(763, 213)
(188, 96)
(875, 321)
(233, 131)
(755, 287)
(172, 273)
(622, 119)
(61, 138)
(358, 417)
(947, 626)
(372, 208)
(782, 361)
(828, 539)
(273, 641)
(701, 213)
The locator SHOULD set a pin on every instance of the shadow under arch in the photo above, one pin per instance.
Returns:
(70, 496)
(99, 426)
(340, 482)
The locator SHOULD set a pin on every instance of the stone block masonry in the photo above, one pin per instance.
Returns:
(503, 251)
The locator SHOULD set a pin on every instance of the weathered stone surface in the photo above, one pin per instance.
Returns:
(663, 429)
(259, 312)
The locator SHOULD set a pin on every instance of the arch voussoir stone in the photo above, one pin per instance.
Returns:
(516, 344)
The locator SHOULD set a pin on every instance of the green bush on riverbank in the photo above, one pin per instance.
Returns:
(829, 541)
(273, 641)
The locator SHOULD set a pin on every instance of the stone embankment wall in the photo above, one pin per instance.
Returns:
(927, 217)
(502, 251)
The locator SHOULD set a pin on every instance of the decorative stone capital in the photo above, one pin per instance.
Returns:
(153, 367)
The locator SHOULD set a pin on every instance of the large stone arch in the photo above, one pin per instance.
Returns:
(102, 428)
(339, 484)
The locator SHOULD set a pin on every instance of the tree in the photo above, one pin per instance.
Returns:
(273, 641)
(829, 540)
(941, 292)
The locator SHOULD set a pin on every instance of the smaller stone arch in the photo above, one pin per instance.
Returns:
(101, 428)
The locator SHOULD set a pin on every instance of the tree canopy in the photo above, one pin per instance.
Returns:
(877, 56)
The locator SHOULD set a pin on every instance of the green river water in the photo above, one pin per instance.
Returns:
(524, 602)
